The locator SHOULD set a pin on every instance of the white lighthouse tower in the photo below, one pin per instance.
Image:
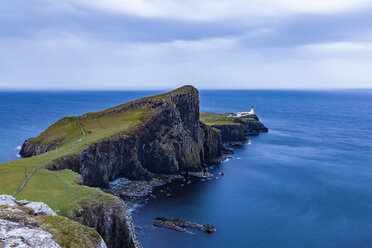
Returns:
(252, 111)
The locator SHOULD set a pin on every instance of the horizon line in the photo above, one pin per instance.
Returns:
(169, 89)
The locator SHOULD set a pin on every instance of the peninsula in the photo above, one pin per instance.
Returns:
(159, 135)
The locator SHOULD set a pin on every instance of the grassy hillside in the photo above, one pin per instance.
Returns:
(58, 189)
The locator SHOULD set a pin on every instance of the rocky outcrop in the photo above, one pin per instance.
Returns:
(13, 234)
(35, 224)
(38, 208)
(112, 221)
(179, 225)
(235, 133)
(252, 125)
(232, 134)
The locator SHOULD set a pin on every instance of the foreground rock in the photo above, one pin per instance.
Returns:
(13, 234)
(35, 224)
(38, 208)
(179, 225)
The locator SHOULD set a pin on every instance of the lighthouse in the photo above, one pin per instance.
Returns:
(252, 111)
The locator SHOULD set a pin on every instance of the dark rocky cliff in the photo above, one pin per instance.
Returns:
(252, 125)
(212, 143)
(112, 221)
(232, 133)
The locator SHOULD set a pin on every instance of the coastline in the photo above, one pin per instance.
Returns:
(162, 135)
(137, 193)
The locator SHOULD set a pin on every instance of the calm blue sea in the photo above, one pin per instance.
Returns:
(307, 183)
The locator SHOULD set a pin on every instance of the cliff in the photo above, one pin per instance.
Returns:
(252, 125)
(234, 130)
(111, 220)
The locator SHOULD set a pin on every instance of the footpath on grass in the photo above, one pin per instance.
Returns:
(59, 154)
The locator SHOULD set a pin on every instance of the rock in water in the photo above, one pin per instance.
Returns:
(179, 225)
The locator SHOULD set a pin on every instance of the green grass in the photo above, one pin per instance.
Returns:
(68, 233)
(216, 119)
(182, 90)
(60, 191)
(59, 133)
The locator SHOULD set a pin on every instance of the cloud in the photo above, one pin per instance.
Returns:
(341, 47)
(208, 10)
(72, 62)
(80, 44)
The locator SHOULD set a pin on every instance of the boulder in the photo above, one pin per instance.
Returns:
(15, 235)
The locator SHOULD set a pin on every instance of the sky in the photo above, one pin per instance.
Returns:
(163, 44)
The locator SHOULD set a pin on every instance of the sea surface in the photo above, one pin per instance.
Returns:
(306, 183)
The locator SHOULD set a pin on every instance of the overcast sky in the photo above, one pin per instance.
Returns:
(162, 44)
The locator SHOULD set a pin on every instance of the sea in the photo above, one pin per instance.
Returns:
(305, 184)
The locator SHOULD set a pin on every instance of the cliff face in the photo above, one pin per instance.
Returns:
(236, 132)
(112, 221)
(212, 143)
(252, 125)
(169, 141)
(232, 133)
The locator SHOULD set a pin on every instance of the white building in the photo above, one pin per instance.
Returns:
(245, 113)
